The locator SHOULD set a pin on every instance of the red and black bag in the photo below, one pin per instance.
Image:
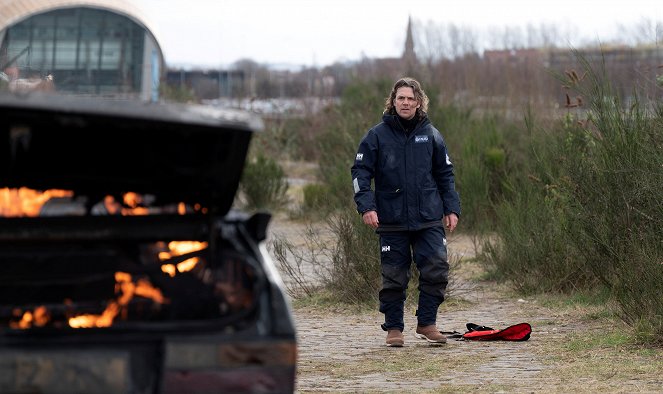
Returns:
(475, 332)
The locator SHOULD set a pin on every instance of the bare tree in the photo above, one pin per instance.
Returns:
(462, 40)
(431, 43)
(646, 31)
(543, 36)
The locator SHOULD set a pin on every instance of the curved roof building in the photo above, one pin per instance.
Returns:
(93, 47)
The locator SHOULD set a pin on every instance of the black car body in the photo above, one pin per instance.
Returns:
(222, 326)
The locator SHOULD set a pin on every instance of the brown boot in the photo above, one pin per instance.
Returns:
(395, 338)
(430, 333)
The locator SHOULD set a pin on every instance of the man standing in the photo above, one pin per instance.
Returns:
(414, 199)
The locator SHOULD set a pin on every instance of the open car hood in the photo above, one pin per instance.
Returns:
(176, 153)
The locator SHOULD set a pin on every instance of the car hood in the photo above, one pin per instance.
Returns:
(177, 153)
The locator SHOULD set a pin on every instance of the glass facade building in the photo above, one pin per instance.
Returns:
(86, 51)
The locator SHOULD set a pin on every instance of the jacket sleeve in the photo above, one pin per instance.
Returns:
(363, 172)
(443, 173)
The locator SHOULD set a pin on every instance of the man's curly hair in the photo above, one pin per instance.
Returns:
(419, 95)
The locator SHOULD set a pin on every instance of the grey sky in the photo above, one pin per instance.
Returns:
(318, 33)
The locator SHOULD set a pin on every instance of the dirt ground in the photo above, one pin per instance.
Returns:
(342, 349)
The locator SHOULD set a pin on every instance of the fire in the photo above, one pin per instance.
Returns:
(26, 202)
(38, 318)
(128, 290)
(178, 248)
(124, 286)
(199, 208)
(103, 320)
(133, 201)
(131, 206)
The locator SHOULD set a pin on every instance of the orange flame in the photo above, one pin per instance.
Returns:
(103, 320)
(37, 318)
(128, 289)
(26, 202)
(133, 201)
(178, 248)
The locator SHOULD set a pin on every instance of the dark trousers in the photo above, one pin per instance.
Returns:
(428, 249)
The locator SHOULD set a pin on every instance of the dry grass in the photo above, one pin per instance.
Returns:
(579, 344)
(575, 347)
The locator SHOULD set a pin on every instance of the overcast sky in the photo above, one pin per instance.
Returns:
(214, 33)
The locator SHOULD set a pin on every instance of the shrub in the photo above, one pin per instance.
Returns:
(355, 262)
(619, 197)
(534, 252)
(592, 211)
(315, 198)
(343, 260)
(178, 94)
(478, 149)
(263, 184)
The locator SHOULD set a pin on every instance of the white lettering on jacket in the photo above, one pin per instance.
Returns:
(360, 156)
(420, 138)
(386, 248)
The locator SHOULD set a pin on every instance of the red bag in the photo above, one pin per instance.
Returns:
(517, 332)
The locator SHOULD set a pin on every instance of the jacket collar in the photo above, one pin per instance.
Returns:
(392, 120)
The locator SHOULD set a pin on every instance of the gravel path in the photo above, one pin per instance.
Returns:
(343, 350)
(328, 339)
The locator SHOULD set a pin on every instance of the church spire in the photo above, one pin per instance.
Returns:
(408, 52)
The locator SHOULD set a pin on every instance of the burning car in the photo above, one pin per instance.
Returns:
(125, 270)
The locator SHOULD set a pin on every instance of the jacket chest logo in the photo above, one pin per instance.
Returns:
(419, 139)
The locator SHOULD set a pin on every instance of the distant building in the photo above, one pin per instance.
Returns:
(409, 57)
(401, 66)
(207, 84)
(513, 56)
(92, 47)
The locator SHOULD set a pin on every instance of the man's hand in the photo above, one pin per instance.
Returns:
(450, 221)
(371, 218)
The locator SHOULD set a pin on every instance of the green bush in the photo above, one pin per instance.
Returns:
(177, 93)
(619, 197)
(477, 146)
(315, 198)
(534, 252)
(591, 211)
(495, 159)
(263, 184)
(354, 276)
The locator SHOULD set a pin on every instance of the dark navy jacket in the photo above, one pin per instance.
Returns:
(414, 178)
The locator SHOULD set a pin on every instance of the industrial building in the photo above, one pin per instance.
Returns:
(97, 47)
